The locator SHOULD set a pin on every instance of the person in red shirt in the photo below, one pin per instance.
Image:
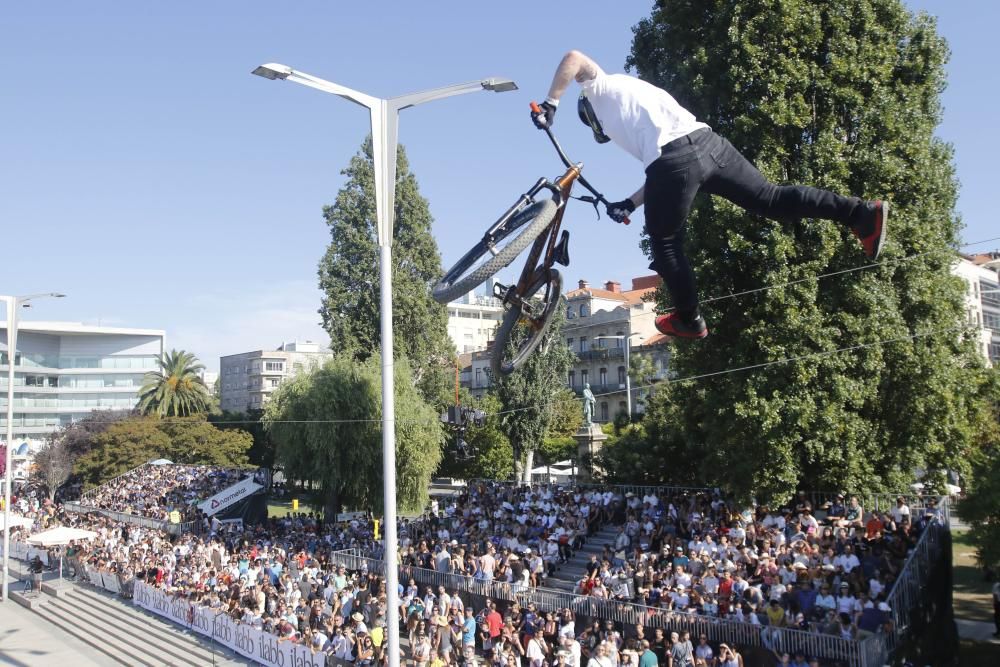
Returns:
(873, 529)
(494, 621)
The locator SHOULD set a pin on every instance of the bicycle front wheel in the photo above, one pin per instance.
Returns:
(511, 347)
(484, 261)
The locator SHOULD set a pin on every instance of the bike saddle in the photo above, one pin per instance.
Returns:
(560, 253)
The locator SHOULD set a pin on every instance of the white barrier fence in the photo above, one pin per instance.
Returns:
(24, 552)
(249, 642)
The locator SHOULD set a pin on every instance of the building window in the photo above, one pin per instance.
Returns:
(604, 376)
(569, 341)
(622, 408)
(619, 341)
(995, 352)
(570, 314)
(583, 310)
(273, 382)
(991, 320)
(621, 375)
(572, 378)
(274, 366)
(602, 342)
(479, 381)
(584, 376)
(583, 343)
(604, 412)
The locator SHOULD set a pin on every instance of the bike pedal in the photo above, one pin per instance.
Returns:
(560, 254)
(500, 291)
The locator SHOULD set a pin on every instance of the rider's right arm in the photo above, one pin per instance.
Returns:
(639, 197)
(574, 65)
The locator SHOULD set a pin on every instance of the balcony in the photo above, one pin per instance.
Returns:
(600, 389)
(602, 354)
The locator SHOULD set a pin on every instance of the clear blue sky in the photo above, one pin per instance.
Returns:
(147, 174)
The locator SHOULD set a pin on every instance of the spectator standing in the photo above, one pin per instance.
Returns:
(647, 658)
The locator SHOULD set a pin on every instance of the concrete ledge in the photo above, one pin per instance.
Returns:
(28, 601)
(57, 588)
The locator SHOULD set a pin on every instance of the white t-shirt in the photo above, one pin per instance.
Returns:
(638, 116)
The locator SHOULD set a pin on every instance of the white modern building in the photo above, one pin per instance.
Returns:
(247, 380)
(982, 299)
(63, 371)
(472, 321)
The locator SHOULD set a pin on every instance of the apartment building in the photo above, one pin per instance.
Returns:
(982, 299)
(472, 321)
(63, 371)
(248, 379)
(600, 323)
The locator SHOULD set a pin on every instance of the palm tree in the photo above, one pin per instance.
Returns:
(176, 390)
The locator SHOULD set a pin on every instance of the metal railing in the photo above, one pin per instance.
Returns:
(625, 613)
(90, 493)
(135, 519)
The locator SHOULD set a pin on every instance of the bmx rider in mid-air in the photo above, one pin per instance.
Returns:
(682, 157)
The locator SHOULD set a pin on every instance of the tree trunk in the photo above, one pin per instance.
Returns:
(332, 507)
(529, 462)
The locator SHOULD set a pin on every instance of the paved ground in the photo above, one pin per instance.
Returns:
(28, 641)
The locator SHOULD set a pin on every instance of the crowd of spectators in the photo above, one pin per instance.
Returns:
(154, 491)
(825, 570)
(822, 569)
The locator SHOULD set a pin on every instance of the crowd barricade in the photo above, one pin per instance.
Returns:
(625, 613)
(24, 552)
(135, 519)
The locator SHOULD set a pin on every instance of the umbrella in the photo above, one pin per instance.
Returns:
(59, 536)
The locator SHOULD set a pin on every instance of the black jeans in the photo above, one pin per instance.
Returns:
(705, 162)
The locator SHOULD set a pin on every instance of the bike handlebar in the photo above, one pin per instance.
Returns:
(569, 163)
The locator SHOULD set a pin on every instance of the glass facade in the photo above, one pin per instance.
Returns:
(122, 362)
(72, 401)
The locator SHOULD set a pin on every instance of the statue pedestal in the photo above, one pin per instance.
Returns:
(589, 440)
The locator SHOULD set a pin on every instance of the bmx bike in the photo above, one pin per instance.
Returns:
(533, 300)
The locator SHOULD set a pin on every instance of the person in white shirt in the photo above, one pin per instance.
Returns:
(900, 510)
(683, 156)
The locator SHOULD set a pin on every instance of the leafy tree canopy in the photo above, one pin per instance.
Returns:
(129, 443)
(326, 425)
(348, 277)
(845, 96)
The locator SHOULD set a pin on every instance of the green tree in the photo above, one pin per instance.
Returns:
(262, 452)
(176, 389)
(348, 277)
(326, 424)
(529, 393)
(980, 507)
(844, 96)
(129, 443)
(493, 457)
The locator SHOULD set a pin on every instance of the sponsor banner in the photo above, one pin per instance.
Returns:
(262, 648)
(230, 496)
(109, 582)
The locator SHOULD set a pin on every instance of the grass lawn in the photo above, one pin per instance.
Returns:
(971, 592)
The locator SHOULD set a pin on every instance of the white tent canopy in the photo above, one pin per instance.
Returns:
(161, 462)
(60, 535)
(17, 521)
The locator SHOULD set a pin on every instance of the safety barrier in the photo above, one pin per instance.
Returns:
(135, 519)
(626, 613)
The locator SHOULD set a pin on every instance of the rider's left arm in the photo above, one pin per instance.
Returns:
(574, 65)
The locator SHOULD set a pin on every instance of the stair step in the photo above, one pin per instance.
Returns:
(171, 640)
(112, 647)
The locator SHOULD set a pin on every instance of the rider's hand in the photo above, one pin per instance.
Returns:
(619, 210)
(545, 116)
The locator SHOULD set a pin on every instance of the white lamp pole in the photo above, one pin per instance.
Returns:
(627, 343)
(12, 303)
(384, 125)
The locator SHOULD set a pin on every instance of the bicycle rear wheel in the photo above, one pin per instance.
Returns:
(507, 358)
(484, 261)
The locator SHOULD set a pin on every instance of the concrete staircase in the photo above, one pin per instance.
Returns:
(567, 575)
(127, 635)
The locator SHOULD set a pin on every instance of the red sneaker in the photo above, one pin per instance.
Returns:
(871, 233)
(674, 326)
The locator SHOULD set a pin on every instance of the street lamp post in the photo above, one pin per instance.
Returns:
(12, 303)
(384, 115)
(627, 343)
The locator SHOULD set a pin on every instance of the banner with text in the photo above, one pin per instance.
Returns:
(263, 648)
(230, 496)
